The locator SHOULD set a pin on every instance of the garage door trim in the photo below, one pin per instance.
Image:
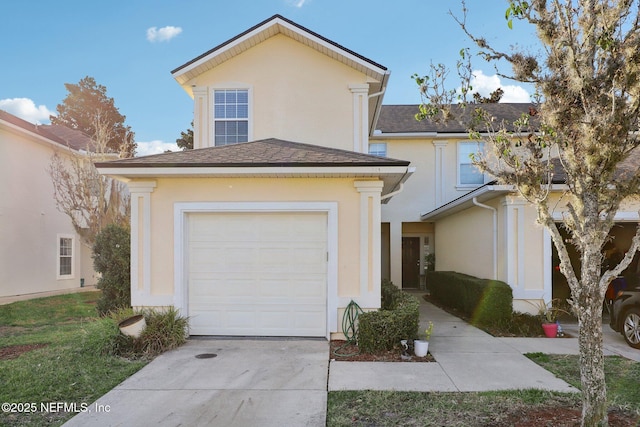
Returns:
(181, 210)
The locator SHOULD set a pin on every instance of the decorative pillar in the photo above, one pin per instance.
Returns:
(515, 245)
(370, 241)
(140, 241)
(360, 117)
(201, 113)
(439, 169)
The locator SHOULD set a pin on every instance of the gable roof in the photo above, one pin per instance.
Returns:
(263, 153)
(270, 27)
(55, 134)
(400, 119)
(267, 158)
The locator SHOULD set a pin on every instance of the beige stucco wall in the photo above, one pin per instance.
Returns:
(296, 92)
(169, 191)
(29, 220)
(464, 243)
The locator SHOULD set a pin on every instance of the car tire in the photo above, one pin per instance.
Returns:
(631, 327)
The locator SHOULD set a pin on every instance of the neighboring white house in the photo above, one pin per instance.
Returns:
(40, 250)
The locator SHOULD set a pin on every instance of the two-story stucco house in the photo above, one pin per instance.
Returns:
(40, 250)
(304, 191)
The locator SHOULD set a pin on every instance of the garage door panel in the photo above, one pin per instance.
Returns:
(257, 274)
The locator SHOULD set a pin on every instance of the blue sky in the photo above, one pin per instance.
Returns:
(130, 46)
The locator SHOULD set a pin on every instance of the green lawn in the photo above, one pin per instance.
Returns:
(389, 408)
(66, 369)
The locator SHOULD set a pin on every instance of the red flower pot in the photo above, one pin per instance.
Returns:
(550, 329)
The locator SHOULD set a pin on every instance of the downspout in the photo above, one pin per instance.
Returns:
(495, 235)
(406, 175)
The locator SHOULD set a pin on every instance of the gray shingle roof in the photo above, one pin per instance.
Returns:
(401, 118)
(59, 134)
(263, 153)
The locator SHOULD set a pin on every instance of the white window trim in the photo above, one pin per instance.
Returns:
(73, 256)
(459, 185)
(212, 106)
(182, 209)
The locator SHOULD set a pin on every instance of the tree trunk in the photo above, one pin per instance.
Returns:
(590, 300)
(594, 392)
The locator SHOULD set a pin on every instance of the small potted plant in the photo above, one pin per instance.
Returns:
(421, 347)
(549, 313)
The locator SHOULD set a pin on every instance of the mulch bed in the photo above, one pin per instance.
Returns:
(560, 417)
(14, 351)
(350, 353)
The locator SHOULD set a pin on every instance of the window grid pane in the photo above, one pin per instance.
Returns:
(65, 254)
(469, 174)
(378, 149)
(230, 105)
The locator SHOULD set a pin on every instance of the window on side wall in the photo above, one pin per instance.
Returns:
(231, 116)
(378, 149)
(66, 252)
(468, 174)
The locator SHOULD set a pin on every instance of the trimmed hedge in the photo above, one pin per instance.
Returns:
(397, 319)
(486, 302)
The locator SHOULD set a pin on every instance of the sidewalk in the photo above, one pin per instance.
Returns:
(467, 359)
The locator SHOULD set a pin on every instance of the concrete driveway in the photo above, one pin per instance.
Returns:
(276, 382)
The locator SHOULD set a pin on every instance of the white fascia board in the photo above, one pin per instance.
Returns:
(404, 135)
(466, 200)
(251, 171)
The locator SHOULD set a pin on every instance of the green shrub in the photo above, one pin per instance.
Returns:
(112, 259)
(485, 302)
(165, 330)
(397, 319)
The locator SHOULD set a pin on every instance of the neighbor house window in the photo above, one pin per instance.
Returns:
(468, 173)
(65, 256)
(231, 116)
(378, 149)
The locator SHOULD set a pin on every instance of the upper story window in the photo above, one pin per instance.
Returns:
(378, 149)
(65, 257)
(231, 116)
(468, 173)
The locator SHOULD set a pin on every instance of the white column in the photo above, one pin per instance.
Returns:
(514, 245)
(140, 241)
(370, 241)
(395, 249)
(201, 113)
(439, 169)
(360, 117)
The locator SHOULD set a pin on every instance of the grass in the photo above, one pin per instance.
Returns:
(67, 368)
(389, 408)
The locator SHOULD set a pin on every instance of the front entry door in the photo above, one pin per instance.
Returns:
(410, 262)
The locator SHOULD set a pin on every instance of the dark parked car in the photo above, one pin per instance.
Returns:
(625, 315)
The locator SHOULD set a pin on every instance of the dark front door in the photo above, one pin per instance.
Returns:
(410, 262)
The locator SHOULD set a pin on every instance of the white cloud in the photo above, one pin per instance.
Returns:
(155, 147)
(26, 109)
(297, 3)
(484, 85)
(155, 34)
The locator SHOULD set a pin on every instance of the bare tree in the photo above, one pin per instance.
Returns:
(583, 129)
(89, 199)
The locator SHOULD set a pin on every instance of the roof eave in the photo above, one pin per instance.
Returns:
(481, 194)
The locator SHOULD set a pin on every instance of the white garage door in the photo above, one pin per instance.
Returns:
(262, 274)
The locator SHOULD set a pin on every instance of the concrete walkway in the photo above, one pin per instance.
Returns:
(467, 359)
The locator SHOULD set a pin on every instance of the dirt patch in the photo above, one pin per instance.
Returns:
(14, 351)
(350, 353)
(559, 417)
